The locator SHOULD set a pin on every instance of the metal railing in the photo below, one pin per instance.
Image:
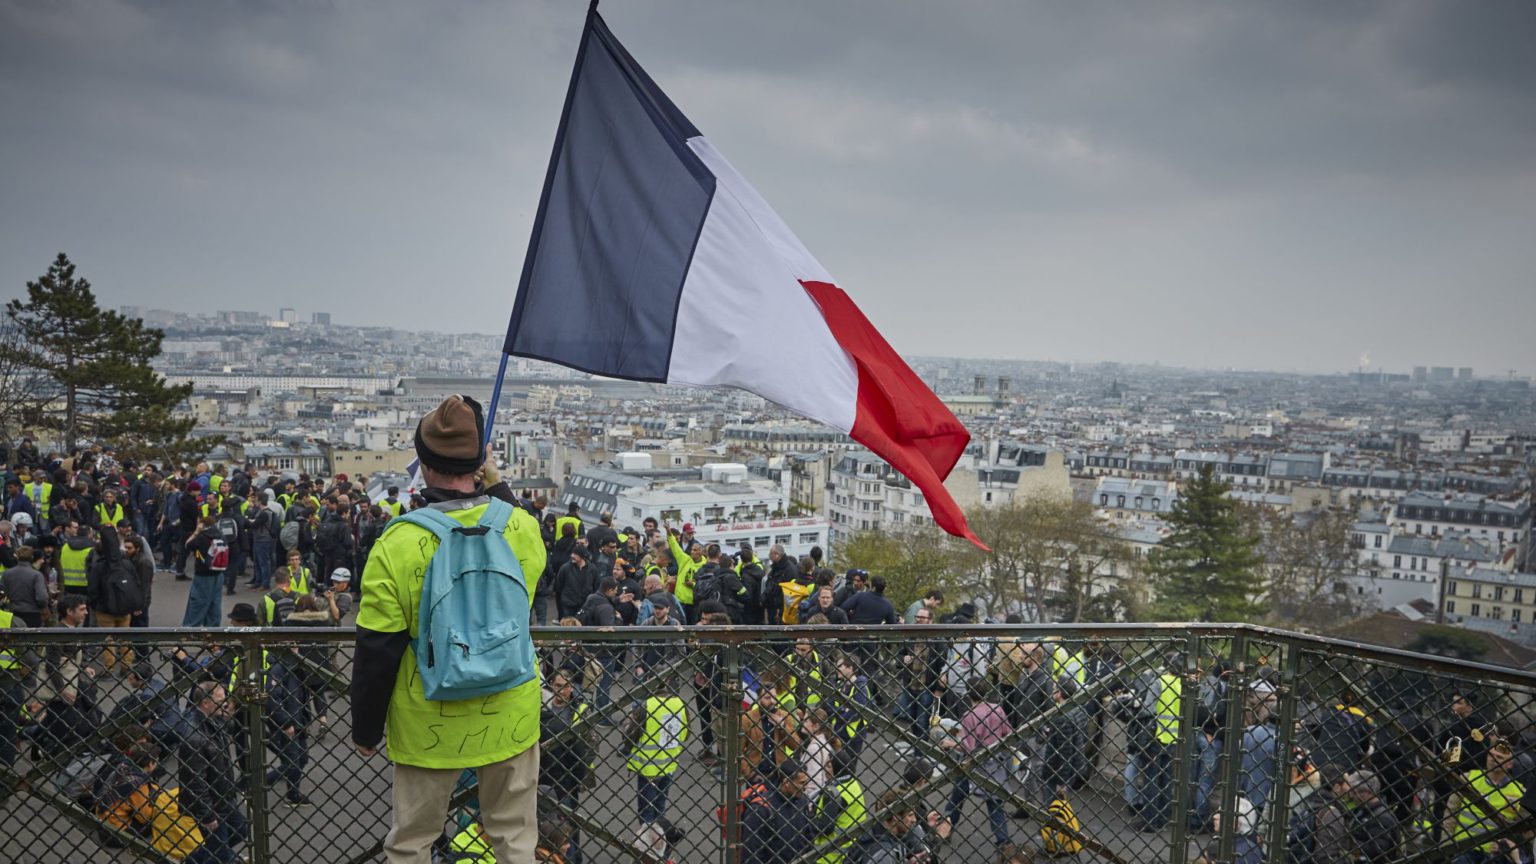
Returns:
(1116, 743)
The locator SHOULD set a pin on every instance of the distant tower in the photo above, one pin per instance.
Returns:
(321, 318)
(979, 388)
(1004, 387)
(287, 316)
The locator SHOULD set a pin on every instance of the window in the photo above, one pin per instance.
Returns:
(1498, 592)
(1477, 610)
(1378, 541)
(759, 542)
(635, 512)
(1397, 560)
(1103, 500)
(810, 537)
(781, 539)
(1514, 615)
(1138, 502)
(1119, 500)
(1477, 589)
(1157, 503)
(1519, 595)
(1450, 606)
(1497, 613)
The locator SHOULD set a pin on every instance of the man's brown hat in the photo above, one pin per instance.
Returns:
(451, 439)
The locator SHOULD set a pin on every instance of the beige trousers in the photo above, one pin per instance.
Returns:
(509, 793)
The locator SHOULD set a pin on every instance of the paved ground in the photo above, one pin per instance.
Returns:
(351, 796)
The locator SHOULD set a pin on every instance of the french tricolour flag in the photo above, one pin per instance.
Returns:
(653, 259)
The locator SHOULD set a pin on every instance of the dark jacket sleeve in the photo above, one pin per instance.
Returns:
(374, 667)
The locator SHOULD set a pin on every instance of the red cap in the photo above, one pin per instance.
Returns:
(687, 527)
(341, 477)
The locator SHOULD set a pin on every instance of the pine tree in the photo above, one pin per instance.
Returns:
(99, 361)
(1207, 568)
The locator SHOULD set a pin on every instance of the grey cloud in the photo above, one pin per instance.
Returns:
(1117, 181)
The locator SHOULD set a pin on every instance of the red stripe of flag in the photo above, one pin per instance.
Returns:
(898, 418)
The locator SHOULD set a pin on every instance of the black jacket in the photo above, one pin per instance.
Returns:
(573, 584)
(109, 565)
(598, 611)
(779, 572)
(206, 771)
(867, 607)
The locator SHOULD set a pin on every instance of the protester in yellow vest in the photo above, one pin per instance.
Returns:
(432, 743)
(109, 512)
(392, 504)
(688, 564)
(74, 560)
(40, 493)
(847, 796)
(657, 732)
(1468, 818)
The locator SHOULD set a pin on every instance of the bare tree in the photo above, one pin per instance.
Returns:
(1308, 560)
(23, 390)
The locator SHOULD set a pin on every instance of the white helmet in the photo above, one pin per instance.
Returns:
(21, 519)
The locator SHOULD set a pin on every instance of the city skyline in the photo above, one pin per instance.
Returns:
(1275, 188)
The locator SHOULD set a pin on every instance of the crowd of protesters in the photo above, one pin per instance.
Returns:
(85, 536)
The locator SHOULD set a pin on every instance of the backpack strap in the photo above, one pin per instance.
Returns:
(494, 520)
(439, 523)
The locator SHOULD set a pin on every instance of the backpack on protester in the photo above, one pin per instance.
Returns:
(229, 528)
(217, 555)
(708, 587)
(122, 589)
(1063, 836)
(472, 634)
(289, 535)
(752, 579)
(794, 593)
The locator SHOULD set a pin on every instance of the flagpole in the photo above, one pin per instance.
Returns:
(490, 414)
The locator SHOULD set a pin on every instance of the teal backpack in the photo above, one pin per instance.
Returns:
(472, 634)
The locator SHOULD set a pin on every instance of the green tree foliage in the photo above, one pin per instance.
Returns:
(1207, 568)
(912, 561)
(1450, 642)
(1050, 560)
(99, 362)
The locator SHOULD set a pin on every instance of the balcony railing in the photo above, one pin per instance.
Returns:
(1167, 742)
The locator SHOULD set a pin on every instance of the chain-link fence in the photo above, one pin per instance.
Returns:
(977, 744)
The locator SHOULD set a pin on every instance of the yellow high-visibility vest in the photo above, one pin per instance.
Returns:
(72, 566)
(1169, 698)
(661, 742)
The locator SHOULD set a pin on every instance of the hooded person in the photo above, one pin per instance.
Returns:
(432, 743)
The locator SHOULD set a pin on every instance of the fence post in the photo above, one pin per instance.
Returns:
(730, 749)
(253, 695)
(1232, 742)
(1280, 817)
(1189, 697)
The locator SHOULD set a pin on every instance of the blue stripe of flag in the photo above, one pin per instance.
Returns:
(623, 203)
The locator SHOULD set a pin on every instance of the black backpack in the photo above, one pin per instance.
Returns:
(122, 589)
(752, 580)
(706, 584)
(229, 528)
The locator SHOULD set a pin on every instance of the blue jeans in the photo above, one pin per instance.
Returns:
(261, 551)
(915, 708)
(292, 755)
(652, 796)
(995, 813)
(219, 845)
(205, 602)
(610, 666)
(1157, 791)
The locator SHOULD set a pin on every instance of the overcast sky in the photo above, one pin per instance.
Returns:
(1279, 185)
